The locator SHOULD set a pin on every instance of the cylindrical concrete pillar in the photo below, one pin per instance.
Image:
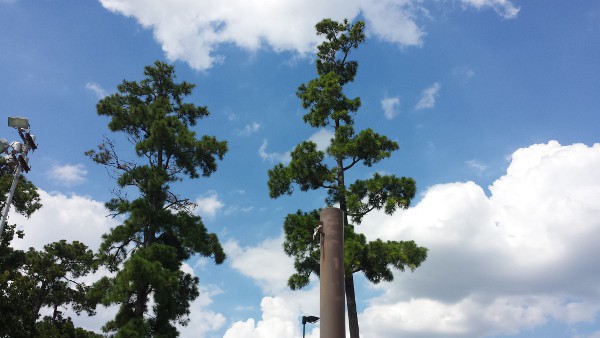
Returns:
(333, 323)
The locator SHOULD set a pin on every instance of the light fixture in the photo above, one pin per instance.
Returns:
(24, 162)
(3, 145)
(308, 319)
(18, 122)
(30, 139)
(17, 146)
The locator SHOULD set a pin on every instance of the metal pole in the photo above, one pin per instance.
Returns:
(10, 197)
(303, 329)
(333, 323)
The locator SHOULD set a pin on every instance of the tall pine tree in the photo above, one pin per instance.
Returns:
(311, 169)
(159, 231)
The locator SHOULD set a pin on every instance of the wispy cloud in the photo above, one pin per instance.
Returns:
(504, 8)
(273, 157)
(391, 107)
(464, 73)
(478, 166)
(96, 89)
(68, 174)
(428, 96)
(249, 129)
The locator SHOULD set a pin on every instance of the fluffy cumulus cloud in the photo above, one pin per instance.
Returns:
(265, 263)
(499, 263)
(201, 320)
(322, 139)
(70, 217)
(68, 174)
(193, 31)
(428, 96)
(270, 268)
(208, 205)
(390, 106)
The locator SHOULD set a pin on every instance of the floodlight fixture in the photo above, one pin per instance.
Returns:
(3, 145)
(18, 122)
(17, 146)
(24, 162)
(30, 139)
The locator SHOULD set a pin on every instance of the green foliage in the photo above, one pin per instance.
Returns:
(35, 279)
(48, 278)
(26, 199)
(61, 328)
(158, 232)
(328, 106)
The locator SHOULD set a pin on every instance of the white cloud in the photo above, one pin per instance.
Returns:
(96, 89)
(428, 96)
(193, 31)
(322, 138)
(478, 166)
(68, 174)
(505, 8)
(464, 73)
(390, 106)
(249, 129)
(208, 205)
(273, 157)
(202, 320)
(497, 264)
(280, 317)
(74, 218)
(265, 263)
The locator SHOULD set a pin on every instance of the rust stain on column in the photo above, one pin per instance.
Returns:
(333, 323)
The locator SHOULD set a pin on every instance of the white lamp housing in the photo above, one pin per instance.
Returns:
(3, 145)
(18, 122)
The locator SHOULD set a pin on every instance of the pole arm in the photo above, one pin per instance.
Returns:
(11, 193)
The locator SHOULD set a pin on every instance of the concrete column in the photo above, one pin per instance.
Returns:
(333, 323)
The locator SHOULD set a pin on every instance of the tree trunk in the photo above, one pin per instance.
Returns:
(351, 302)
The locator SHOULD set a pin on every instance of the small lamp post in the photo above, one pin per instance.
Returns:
(16, 157)
(308, 319)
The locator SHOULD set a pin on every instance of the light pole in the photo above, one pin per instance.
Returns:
(16, 157)
(308, 319)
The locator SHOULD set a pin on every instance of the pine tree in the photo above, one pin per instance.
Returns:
(159, 231)
(309, 169)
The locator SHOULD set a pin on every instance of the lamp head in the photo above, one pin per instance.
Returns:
(18, 122)
(3, 145)
(309, 319)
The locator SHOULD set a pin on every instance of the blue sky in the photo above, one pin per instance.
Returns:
(495, 105)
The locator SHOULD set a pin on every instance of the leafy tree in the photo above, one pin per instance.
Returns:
(34, 279)
(14, 286)
(309, 169)
(159, 231)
